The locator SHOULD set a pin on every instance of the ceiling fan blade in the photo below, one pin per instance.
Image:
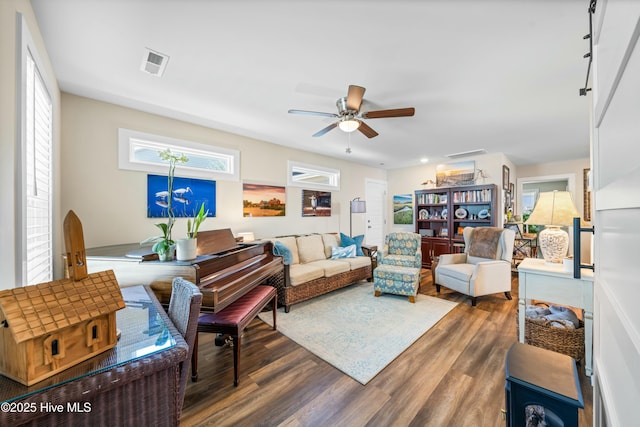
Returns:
(325, 130)
(354, 97)
(313, 113)
(398, 112)
(366, 130)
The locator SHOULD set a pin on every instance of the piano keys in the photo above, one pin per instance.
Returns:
(224, 269)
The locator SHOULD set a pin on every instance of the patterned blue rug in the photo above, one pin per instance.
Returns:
(357, 332)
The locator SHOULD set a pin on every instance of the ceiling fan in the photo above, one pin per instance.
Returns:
(351, 118)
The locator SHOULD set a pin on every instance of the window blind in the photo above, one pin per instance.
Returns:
(38, 177)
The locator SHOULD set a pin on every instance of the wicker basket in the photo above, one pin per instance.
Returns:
(540, 333)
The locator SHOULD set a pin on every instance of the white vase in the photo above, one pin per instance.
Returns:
(186, 249)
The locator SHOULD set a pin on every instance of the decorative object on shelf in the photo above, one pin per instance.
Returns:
(482, 175)
(356, 206)
(429, 183)
(423, 214)
(164, 245)
(554, 209)
(444, 213)
(505, 178)
(483, 214)
(461, 213)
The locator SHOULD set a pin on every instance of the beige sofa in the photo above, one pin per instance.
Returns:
(312, 272)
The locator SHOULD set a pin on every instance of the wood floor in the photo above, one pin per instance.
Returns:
(452, 376)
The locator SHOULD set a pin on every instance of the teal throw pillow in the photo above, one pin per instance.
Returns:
(338, 252)
(281, 249)
(348, 241)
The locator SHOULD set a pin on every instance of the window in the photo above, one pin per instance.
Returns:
(313, 177)
(36, 138)
(139, 151)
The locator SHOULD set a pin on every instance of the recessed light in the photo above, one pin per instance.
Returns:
(424, 160)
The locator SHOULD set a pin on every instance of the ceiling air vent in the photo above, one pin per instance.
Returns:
(154, 62)
(467, 153)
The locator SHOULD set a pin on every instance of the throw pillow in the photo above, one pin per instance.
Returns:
(348, 241)
(281, 249)
(346, 252)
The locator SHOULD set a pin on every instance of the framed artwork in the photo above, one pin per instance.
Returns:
(505, 178)
(507, 202)
(453, 174)
(402, 209)
(316, 203)
(263, 200)
(187, 196)
(512, 190)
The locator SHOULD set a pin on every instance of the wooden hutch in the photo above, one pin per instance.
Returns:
(442, 213)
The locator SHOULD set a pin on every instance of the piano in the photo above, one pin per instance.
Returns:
(224, 269)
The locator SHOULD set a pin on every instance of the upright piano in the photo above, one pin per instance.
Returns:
(224, 269)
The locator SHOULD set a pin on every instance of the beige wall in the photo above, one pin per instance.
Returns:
(111, 202)
(10, 252)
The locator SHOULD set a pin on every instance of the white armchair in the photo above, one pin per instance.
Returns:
(485, 266)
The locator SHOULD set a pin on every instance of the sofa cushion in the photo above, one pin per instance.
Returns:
(281, 249)
(303, 273)
(338, 252)
(357, 262)
(332, 267)
(330, 240)
(290, 242)
(310, 248)
(347, 241)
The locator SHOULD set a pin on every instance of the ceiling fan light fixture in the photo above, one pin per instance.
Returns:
(349, 124)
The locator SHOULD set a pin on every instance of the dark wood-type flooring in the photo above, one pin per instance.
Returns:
(452, 376)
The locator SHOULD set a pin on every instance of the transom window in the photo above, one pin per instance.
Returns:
(139, 151)
(313, 177)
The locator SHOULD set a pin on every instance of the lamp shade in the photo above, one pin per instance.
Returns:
(358, 206)
(553, 208)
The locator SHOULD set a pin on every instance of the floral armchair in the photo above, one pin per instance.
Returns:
(401, 249)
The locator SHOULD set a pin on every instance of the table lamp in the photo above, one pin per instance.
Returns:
(553, 209)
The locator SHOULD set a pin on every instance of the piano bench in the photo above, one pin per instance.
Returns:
(232, 320)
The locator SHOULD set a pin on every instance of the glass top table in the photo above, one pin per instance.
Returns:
(144, 330)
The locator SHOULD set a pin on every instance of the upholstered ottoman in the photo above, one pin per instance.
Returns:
(393, 279)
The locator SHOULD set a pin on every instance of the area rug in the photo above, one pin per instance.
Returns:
(356, 332)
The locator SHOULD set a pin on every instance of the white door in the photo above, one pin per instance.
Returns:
(376, 216)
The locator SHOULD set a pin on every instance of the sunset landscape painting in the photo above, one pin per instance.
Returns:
(263, 200)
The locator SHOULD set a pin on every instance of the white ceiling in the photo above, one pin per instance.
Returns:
(499, 75)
